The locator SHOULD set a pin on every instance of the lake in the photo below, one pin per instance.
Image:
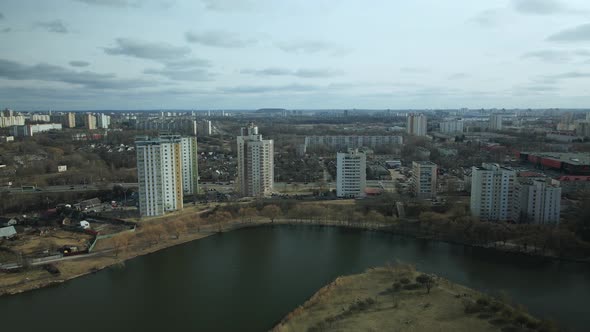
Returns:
(247, 280)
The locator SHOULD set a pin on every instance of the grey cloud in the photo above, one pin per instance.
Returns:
(541, 88)
(268, 72)
(111, 3)
(557, 56)
(227, 5)
(414, 70)
(539, 7)
(314, 73)
(258, 89)
(181, 74)
(79, 63)
(183, 70)
(147, 50)
(217, 38)
(579, 33)
(489, 18)
(1, 16)
(458, 76)
(313, 46)
(57, 26)
(12, 70)
(549, 55)
(6, 30)
(568, 75)
(187, 63)
(303, 73)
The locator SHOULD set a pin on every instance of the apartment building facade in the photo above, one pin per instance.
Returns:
(255, 163)
(351, 178)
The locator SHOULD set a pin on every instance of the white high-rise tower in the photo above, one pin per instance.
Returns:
(159, 173)
(255, 163)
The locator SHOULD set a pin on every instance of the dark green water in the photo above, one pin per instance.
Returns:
(248, 280)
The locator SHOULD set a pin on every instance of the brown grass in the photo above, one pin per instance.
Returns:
(367, 302)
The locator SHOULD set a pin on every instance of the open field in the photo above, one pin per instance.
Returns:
(152, 234)
(378, 300)
(47, 239)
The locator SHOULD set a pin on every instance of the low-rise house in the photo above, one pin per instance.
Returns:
(7, 232)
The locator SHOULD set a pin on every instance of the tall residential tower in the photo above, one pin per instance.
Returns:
(255, 163)
(416, 124)
(492, 192)
(351, 173)
(159, 173)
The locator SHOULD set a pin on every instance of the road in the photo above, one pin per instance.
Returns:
(387, 185)
(70, 188)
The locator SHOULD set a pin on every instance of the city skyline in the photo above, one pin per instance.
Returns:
(248, 55)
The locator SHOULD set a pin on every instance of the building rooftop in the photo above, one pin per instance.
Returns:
(425, 163)
(572, 158)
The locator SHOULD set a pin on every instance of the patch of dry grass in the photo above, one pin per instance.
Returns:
(371, 302)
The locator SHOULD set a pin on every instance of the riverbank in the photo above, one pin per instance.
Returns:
(497, 246)
(109, 253)
(154, 235)
(396, 298)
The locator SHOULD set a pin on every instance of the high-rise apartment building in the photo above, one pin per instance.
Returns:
(103, 121)
(424, 175)
(159, 174)
(190, 175)
(416, 124)
(255, 163)
(205, 128)
(351, 177)
(496, 122)
(492, 192)
(451, 126)
(538, 201)
(89, 121)
(70, 120)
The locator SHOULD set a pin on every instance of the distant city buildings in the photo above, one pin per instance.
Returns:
(204, 128)
(537, 200)
(350, 173)
(583, 128)
(500, 194)
(496, 122)
(89, 121)
(30, 130)
(176, 125)
(69, 120)
(574, 163)
(352, 142)
(8, 119)
(416, 124)
(451, 126)
(190, 175)
(103, 121)
(492, 192)
(159, 174)
(424, 176)
(40, 118)
(255, 163)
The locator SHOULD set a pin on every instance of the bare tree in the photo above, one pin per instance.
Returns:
(271, 212)
(426, 280)
(121, 242)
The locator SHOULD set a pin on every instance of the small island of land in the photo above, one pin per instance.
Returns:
(398, 298)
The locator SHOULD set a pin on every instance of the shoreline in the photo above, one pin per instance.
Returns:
(388, 229)
(15, 289)
(369, 301)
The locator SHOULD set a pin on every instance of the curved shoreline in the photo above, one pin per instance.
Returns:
(382, 228)
(364, 302)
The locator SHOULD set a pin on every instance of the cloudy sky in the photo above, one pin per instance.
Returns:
(244, 54)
